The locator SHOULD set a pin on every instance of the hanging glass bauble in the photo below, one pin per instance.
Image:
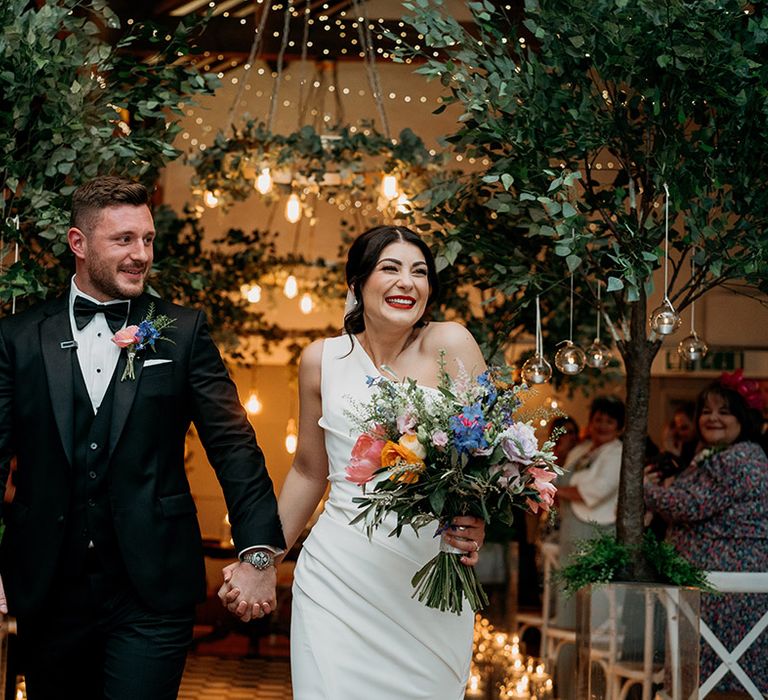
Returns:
(692, 348)
(598, 355)
(570, 358)
(536, 370)
(664, 319)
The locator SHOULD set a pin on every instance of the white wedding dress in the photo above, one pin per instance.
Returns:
(355, 630)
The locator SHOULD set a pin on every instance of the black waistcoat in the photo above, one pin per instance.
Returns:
(90, 515)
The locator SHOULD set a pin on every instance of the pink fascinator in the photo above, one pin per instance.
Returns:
(748, 388)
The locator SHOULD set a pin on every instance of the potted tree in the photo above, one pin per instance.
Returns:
(605, 129)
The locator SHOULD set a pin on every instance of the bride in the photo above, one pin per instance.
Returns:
(355, 629)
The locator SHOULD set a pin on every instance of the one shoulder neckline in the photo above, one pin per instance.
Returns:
(358, 347)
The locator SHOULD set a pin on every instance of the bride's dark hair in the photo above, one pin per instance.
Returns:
(362, 257)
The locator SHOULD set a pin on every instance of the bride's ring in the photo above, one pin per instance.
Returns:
(477, 546)
(460, 528)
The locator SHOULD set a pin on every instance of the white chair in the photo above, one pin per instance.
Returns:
(734, 582)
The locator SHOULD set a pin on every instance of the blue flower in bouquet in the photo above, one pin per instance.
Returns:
(469, 429)
(485, 380)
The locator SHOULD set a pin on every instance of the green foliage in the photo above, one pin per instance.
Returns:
(340, 160)
(595, 561)
(209, 277)
(605, 560)
(73, 106)
(583, 112)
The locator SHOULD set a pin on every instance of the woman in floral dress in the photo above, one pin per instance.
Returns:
(717, 510)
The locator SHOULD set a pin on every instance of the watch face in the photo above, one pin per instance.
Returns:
(261, 560)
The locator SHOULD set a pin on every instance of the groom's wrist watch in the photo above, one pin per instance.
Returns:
(260, 559)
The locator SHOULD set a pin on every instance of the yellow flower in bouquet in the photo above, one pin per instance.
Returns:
(402, 459)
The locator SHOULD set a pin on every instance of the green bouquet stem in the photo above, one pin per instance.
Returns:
(443, 583)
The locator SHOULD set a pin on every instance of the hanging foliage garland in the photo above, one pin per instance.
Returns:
(342, 167)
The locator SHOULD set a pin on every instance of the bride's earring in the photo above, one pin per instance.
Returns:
(350, 302)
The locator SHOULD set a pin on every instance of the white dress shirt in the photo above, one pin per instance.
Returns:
(96, 352)
(598, 483)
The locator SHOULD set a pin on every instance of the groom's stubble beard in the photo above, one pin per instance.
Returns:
(105, 280)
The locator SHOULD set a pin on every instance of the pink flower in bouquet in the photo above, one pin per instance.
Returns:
(365, 459)
(439, 438)
(406, 423)
(542, 483)
(510, 474)
(125, 336)
(519, 443)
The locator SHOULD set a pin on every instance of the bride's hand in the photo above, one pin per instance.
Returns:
(468, 534)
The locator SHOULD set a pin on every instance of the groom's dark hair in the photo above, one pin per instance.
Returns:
(101, 192)
(362, 257)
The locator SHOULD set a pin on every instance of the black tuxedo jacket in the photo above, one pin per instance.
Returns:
(153, 511)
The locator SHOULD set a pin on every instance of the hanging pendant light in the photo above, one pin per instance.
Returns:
(253, 405)
(291, 437)
(389, 189)
(692, 348)
(664, 319)
(536, 369)
(264, 181)
(293, 208)
(570, 358)
(291, 287)
(598, 354)
(211, 199)
(306, 304)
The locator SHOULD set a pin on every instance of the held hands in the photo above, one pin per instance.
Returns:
(468, 534)
(247, 592)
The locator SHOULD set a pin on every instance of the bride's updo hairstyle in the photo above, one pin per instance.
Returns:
(362, 257)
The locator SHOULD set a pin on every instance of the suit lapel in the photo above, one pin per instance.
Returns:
(55, 330)
(125, 392)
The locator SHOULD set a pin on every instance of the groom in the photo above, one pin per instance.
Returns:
(102, 558)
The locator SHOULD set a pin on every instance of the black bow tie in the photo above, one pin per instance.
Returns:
(84, 310)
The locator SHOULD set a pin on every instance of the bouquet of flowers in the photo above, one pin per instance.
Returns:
(429, 455)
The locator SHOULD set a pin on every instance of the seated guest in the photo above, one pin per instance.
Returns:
(589, 489)
(717, 515)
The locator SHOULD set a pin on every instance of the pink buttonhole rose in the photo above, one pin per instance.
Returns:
(125, 336)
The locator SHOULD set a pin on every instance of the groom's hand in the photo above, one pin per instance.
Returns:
(248, 592)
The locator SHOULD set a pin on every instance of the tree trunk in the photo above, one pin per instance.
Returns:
(638, 353)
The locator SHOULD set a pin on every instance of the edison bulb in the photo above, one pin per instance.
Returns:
(389, 187)
(598, 355)
(253, 294)
(264, 181)
(306, 304)
(291, 439)
(665, 320)
(253, 405)
(293, 208)
(570, 358)
(291, 287)
(536, 370)
(211, 199)
(692, 348)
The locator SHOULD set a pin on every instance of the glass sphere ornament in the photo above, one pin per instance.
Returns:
(664, 319)
(570, 358)
(536, 370)
(598, 355)
(692, 348)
